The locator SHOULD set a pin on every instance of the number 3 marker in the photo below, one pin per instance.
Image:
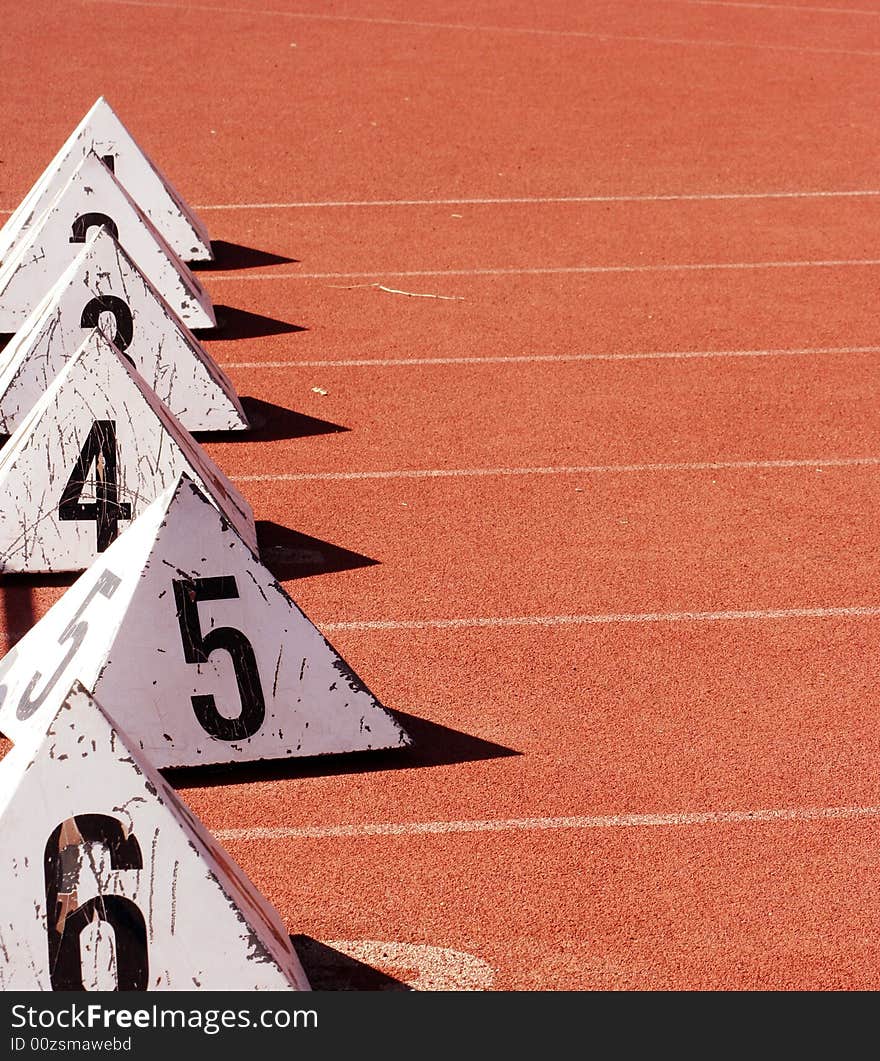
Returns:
(91, 318)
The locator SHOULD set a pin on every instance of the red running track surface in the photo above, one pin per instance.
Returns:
(558, 326)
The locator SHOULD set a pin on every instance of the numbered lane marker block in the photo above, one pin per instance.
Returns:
(102, 132)
(195, 648)
(91, 198)
(110, 883)
(103, 287)
(89, 457)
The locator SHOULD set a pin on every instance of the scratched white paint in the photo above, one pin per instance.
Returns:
(420, 966)
(131, 650)
(41, 457)
(205, 925)
(103, 132)
(56, 236)
(164, 350)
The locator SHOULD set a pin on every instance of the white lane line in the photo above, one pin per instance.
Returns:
(572, 469)
(542, 200)
(500, 825)
(781, 7)
(605, 620)
(387, 362)
(519, 30)
(611, 619)
(557, 270)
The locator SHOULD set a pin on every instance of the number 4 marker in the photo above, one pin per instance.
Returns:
(92, 453)
(106, 510)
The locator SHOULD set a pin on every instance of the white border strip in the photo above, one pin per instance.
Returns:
(610, 821)
(775, 614)
(540, 200)
(781, 7)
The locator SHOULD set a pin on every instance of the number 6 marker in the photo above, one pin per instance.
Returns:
(111, 884)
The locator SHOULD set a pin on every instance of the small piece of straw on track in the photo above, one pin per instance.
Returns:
(395, 291)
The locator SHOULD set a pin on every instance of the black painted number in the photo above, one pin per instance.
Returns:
(81, 226)
(106, 510)
(91, 318)
(197, 647)
(75, 632)
(66, 917)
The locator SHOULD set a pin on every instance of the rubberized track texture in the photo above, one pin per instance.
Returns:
(557, 327)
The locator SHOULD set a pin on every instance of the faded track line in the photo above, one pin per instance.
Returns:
(559, 270)
(689, 42)
(388, 362)
(575, 469)
(605, 620)
(611, 619)
(498, 825)
(780, 7)
(542, 200)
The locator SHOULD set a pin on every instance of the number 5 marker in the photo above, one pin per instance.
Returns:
(200, 655)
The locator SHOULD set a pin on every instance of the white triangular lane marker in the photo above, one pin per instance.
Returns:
(90, 198)
(111, 883)
(103, 287)
(195, 649)
(90, 456)
(102, 132)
